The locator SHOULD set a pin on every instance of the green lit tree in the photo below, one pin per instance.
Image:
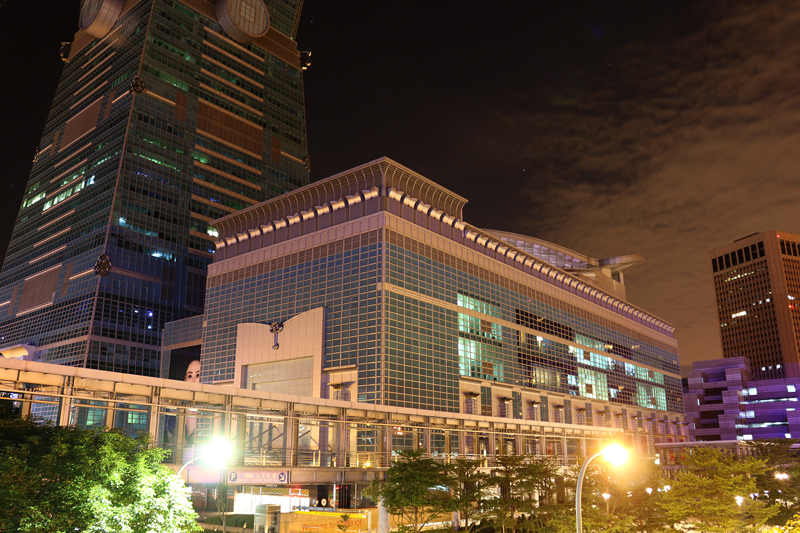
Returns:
(414, 490)
(778, 484)
(61, 479)
(703, 493)
(633, 490)
(792, 526)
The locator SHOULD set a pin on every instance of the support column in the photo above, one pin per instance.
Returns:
(65, 402)
(110, 410)
(342, 444)
(26, 401)
(153, 412)
(386, 440)
(383, 518)
(289, 439)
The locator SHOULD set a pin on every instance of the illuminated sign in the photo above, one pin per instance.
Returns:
(248, 477)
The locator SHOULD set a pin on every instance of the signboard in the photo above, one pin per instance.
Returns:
(258, 477)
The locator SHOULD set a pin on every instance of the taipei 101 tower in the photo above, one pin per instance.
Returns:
(169, 114)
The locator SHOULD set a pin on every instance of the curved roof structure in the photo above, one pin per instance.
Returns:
(564, 258)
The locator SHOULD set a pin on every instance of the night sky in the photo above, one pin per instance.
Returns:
(659, 128)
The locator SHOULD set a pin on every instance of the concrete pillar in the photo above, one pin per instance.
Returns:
(153, 412)
(384, 523)
(289, 440)
(110, 411)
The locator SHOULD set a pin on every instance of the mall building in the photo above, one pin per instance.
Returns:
(369, 287)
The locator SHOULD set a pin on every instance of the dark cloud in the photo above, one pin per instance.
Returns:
(680, 147)
(659, 128)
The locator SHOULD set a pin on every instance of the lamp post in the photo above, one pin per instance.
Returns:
(217, 452)
(614, 454)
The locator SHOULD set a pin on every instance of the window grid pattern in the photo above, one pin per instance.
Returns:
(341, 276)
(494, 352)
(160, 192)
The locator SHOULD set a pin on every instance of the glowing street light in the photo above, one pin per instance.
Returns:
(216, 453)
(782, 476)
(614, 454)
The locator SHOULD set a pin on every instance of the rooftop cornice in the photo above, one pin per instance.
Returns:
(383, 178)
(382, 173)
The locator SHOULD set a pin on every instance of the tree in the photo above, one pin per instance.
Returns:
(792, 526)
(630, 505)
(344, 522)
(7, 407)
(777, 484)
(467, 484)
(63, 479)
(414, 490)
(704, 491)
(516, 478)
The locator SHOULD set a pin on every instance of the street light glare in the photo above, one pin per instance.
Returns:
(615, 454)
(217, 452)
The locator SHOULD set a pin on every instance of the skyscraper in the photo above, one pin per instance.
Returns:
(757, 283)
(168, 115)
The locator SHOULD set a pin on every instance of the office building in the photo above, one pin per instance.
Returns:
(725, 402)
(757, 283)
(369, 286)
(169, 114)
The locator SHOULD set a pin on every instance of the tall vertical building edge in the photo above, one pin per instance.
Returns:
(168, 114)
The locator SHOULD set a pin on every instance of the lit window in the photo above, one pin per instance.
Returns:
(791, 388)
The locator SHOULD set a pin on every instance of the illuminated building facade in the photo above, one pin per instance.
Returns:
(725, 403)
(168, 115)
(369, 286)
(757, 284)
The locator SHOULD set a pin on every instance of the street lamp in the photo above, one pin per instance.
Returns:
(217, 452)
(614, 454)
